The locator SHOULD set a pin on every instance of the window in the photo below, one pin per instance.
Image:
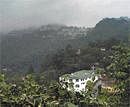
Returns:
(83, 83)
(77, 85)
(70, 80)
(82, 79)
(77, 80)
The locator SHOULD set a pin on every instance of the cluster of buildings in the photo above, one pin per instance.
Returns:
(77, 81)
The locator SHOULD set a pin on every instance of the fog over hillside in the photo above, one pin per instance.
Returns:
(64, 53)
(22, 48)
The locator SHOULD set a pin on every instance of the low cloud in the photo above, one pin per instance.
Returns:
(16, 14)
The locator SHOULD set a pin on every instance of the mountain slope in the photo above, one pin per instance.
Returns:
(118, 28)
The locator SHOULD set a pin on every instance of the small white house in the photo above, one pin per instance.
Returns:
(77, 81)
(103, 49)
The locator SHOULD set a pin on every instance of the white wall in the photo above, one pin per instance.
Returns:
(81, 83)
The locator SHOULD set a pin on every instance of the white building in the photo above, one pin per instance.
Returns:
(103, 49)
(77, 81)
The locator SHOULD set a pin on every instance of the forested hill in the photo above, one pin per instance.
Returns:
(30, 46)
(118, 28)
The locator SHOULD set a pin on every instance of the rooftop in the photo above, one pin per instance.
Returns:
(83, 74)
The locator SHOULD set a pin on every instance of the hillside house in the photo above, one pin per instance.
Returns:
(77, 81)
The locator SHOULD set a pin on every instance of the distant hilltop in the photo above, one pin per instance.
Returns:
(118, 28)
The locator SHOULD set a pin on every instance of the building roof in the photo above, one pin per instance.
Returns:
(83, 74)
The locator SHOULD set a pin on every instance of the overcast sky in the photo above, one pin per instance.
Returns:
(15, 14)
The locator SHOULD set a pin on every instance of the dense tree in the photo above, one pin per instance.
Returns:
(35, 91)
(120, 70)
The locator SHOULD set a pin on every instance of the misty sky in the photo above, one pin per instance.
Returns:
(16, 14)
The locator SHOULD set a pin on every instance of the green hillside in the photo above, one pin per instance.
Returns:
(118, 28)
